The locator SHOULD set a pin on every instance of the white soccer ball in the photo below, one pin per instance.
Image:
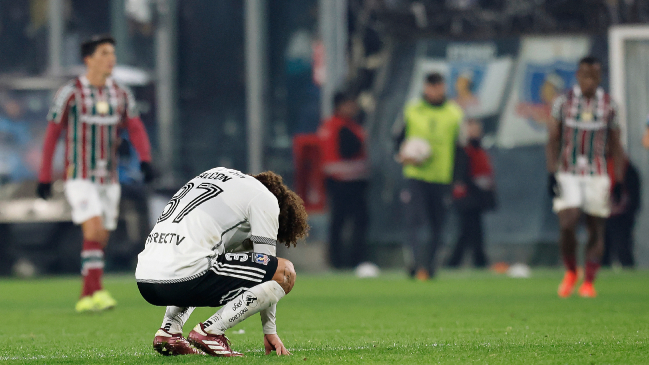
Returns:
(519, 271)
(367, 270)
(417, 149)
(24, 268)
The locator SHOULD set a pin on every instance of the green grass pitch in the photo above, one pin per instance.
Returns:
(461, 317)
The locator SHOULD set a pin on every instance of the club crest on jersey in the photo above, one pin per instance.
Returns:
(102, 107)
(261, 258)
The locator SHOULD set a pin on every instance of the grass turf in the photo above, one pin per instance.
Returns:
(459, 318)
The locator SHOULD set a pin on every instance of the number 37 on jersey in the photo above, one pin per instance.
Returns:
(209, 192)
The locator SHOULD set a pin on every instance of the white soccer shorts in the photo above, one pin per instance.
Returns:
(590, 193)
(89, 199)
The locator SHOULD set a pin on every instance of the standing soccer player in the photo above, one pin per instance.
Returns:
(214, 246)
(92, 109)
(583, 131)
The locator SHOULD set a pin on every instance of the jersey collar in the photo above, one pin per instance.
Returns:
(599, 93)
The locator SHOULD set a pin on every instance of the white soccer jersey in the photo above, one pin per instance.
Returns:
(220, 210)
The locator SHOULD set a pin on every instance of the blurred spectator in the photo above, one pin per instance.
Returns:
(473, 198)
(346, 169)
(432, 122)
(618, 239)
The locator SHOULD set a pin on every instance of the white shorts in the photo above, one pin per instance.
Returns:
(89, 199)
(590, 193)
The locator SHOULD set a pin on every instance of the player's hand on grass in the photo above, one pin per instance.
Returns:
(273, 343)
(553, 186)
(44, 190)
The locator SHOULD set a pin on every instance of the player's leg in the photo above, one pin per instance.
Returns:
(86, 211)
(477, 234)
(361, 222)
(245, 288)
(169, 339)
(568, 207)
(254, 299)
(594, 251)
(337, 203)
(414, 202)
(437, 218)
(109, 196)
(610, 241)
(568, 221)
(597, 206)
(625, 246)
(462, 241)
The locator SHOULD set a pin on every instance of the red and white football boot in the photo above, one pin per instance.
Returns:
(169, 344)
(214, 345)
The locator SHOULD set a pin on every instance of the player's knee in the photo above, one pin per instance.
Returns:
(285, 274)
(99, 235)
(567, 225)
(93, 230)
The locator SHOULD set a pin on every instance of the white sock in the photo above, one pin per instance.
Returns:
(246, 304)
(175, 318)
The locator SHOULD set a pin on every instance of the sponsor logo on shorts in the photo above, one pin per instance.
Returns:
(261, 258)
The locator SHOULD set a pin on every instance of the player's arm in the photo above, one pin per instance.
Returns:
(617, 153)
(57, 120)
(553, 146)
(409, 131)
(138, 136)
(615, 144)
(44, 189)
(264, 225)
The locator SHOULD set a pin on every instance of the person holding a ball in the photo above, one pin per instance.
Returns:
(427, 152)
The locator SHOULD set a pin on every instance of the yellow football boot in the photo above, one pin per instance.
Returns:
(103, 300)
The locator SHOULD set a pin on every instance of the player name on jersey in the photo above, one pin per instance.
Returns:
(219, 176)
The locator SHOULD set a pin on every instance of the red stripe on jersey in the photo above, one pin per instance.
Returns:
(598, 163)
(81, 149)
(84, 142)
(569, 135)
(102, 147)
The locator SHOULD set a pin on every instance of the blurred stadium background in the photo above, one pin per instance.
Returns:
(232, 82)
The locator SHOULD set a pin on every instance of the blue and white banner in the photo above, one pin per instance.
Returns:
(476, 80)
(545, 68)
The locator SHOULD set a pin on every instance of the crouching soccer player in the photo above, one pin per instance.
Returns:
(214, 245)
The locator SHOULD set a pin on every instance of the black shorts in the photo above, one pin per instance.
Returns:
(231, 275)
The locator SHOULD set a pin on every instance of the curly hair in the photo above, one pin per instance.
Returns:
(293, 223)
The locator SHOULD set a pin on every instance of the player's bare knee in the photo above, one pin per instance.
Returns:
(93, 230)
(285, 274)
(99, 235)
